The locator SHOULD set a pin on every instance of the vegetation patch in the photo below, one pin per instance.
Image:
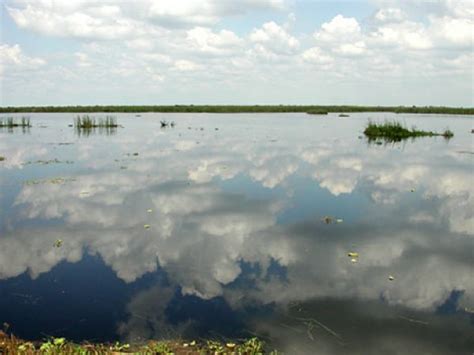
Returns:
(395, 132)
(88, 122)
(244, 109)
(10, 122)
(317, 112)
(12, 345)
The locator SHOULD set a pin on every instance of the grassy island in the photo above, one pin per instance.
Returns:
(395, 131)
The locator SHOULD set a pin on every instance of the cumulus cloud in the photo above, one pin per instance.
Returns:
(12, 58)
(162, 39)
(272, 38)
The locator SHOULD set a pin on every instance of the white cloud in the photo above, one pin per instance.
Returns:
(205, 40)
(149, 42)
(390, 15)
(13, 58)
(273, 38)
(185, 65)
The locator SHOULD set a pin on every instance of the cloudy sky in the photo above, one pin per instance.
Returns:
(64, 52)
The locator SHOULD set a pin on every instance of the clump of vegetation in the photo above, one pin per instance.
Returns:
(317, 112)
(12, 345)
(87, 122)
(395, 132)
(10, 122)
(2, 158)
(85, 125)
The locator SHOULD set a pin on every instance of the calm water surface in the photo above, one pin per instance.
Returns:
(216, 228)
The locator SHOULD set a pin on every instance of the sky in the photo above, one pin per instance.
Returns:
(363, 52)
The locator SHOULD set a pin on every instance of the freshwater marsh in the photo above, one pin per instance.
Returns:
(290, 227)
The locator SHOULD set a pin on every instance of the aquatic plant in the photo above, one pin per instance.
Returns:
(87, 122)
(395, 131)
(9, 344)
(10, 122)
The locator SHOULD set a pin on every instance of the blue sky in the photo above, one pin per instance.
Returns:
(374, 52)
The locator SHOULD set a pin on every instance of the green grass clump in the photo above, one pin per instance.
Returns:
(395, 132)
(87, 122)
(10, 122)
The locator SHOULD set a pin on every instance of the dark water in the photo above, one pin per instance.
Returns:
(217, 229)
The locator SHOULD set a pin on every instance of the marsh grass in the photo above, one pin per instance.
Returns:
(10, 122)
(86, 125)
(395, 132)
(12, 345)
(88, 122)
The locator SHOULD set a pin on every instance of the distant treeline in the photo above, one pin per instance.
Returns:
(244, 109)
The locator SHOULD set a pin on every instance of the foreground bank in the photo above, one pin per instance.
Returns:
(12, 345)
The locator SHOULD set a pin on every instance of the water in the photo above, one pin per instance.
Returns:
(216, 229)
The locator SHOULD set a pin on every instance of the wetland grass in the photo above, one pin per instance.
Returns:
(85, 125)
(12, 345)
(395, 132)
(10, 122)
(87, 122)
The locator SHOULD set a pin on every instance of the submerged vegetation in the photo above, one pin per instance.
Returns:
(10, 122)
(395, 131)
(244, 109)
(12, 345)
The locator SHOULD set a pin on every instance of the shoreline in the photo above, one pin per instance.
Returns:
(239, 109)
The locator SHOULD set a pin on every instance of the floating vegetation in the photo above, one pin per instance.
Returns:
(54, 181)
(343, 115)
(329, 220)
(47, 162)
(2, 158)
(12, 345)
(58, 243)
(395, 132)
(354, 256)
(317, 112)
(10, 122)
